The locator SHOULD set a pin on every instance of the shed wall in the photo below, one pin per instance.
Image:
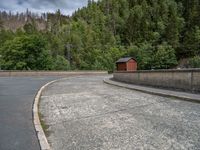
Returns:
(121, 66)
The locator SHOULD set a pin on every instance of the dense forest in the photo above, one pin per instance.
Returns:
(160, 34)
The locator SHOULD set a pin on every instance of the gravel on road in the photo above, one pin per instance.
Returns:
(83, 113)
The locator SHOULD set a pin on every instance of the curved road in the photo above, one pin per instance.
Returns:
(83, 113)
(16, 99)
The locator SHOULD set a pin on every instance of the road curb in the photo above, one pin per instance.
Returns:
(137, 88)
(44, 145)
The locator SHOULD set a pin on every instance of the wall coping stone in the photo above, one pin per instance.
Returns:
(161, 70)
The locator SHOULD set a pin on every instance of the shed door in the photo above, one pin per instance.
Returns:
(131, 65)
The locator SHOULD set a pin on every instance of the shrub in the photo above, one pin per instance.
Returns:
(164, 57)
(194, 62)
(60, 63)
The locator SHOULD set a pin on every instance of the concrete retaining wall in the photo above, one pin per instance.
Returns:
(188, 80)
(48, 73)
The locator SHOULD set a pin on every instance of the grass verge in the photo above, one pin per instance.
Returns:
(45, 127)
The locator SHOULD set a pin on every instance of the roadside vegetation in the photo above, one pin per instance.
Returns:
(158, 33)
(45, 127)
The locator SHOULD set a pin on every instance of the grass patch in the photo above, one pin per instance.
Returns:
(45, 127)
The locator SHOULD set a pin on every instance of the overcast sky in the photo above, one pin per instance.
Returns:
(66, 6)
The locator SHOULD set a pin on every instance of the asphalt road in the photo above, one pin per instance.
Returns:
(83, 113)
(16, 100)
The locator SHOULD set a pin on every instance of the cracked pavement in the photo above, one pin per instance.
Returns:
(84, 113)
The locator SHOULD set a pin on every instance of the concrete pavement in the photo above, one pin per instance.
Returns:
(84, 113)
(16, 125)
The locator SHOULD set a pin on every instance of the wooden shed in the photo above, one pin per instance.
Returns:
(126, 64)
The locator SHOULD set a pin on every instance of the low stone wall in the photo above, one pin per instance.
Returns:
(187, 80)
(48, 73)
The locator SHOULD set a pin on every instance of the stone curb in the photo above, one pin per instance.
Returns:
(147, 90)
(44, 145)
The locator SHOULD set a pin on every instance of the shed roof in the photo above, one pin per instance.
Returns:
(126, 59)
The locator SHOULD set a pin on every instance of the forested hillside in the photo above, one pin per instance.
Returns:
(158, 33)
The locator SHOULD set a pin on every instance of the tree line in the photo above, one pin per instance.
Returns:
(158, 33)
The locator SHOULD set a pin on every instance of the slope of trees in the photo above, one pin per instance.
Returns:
(157, 33)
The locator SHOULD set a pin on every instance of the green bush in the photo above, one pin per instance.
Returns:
(194, 62)
(164, 57)
(60, 63)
